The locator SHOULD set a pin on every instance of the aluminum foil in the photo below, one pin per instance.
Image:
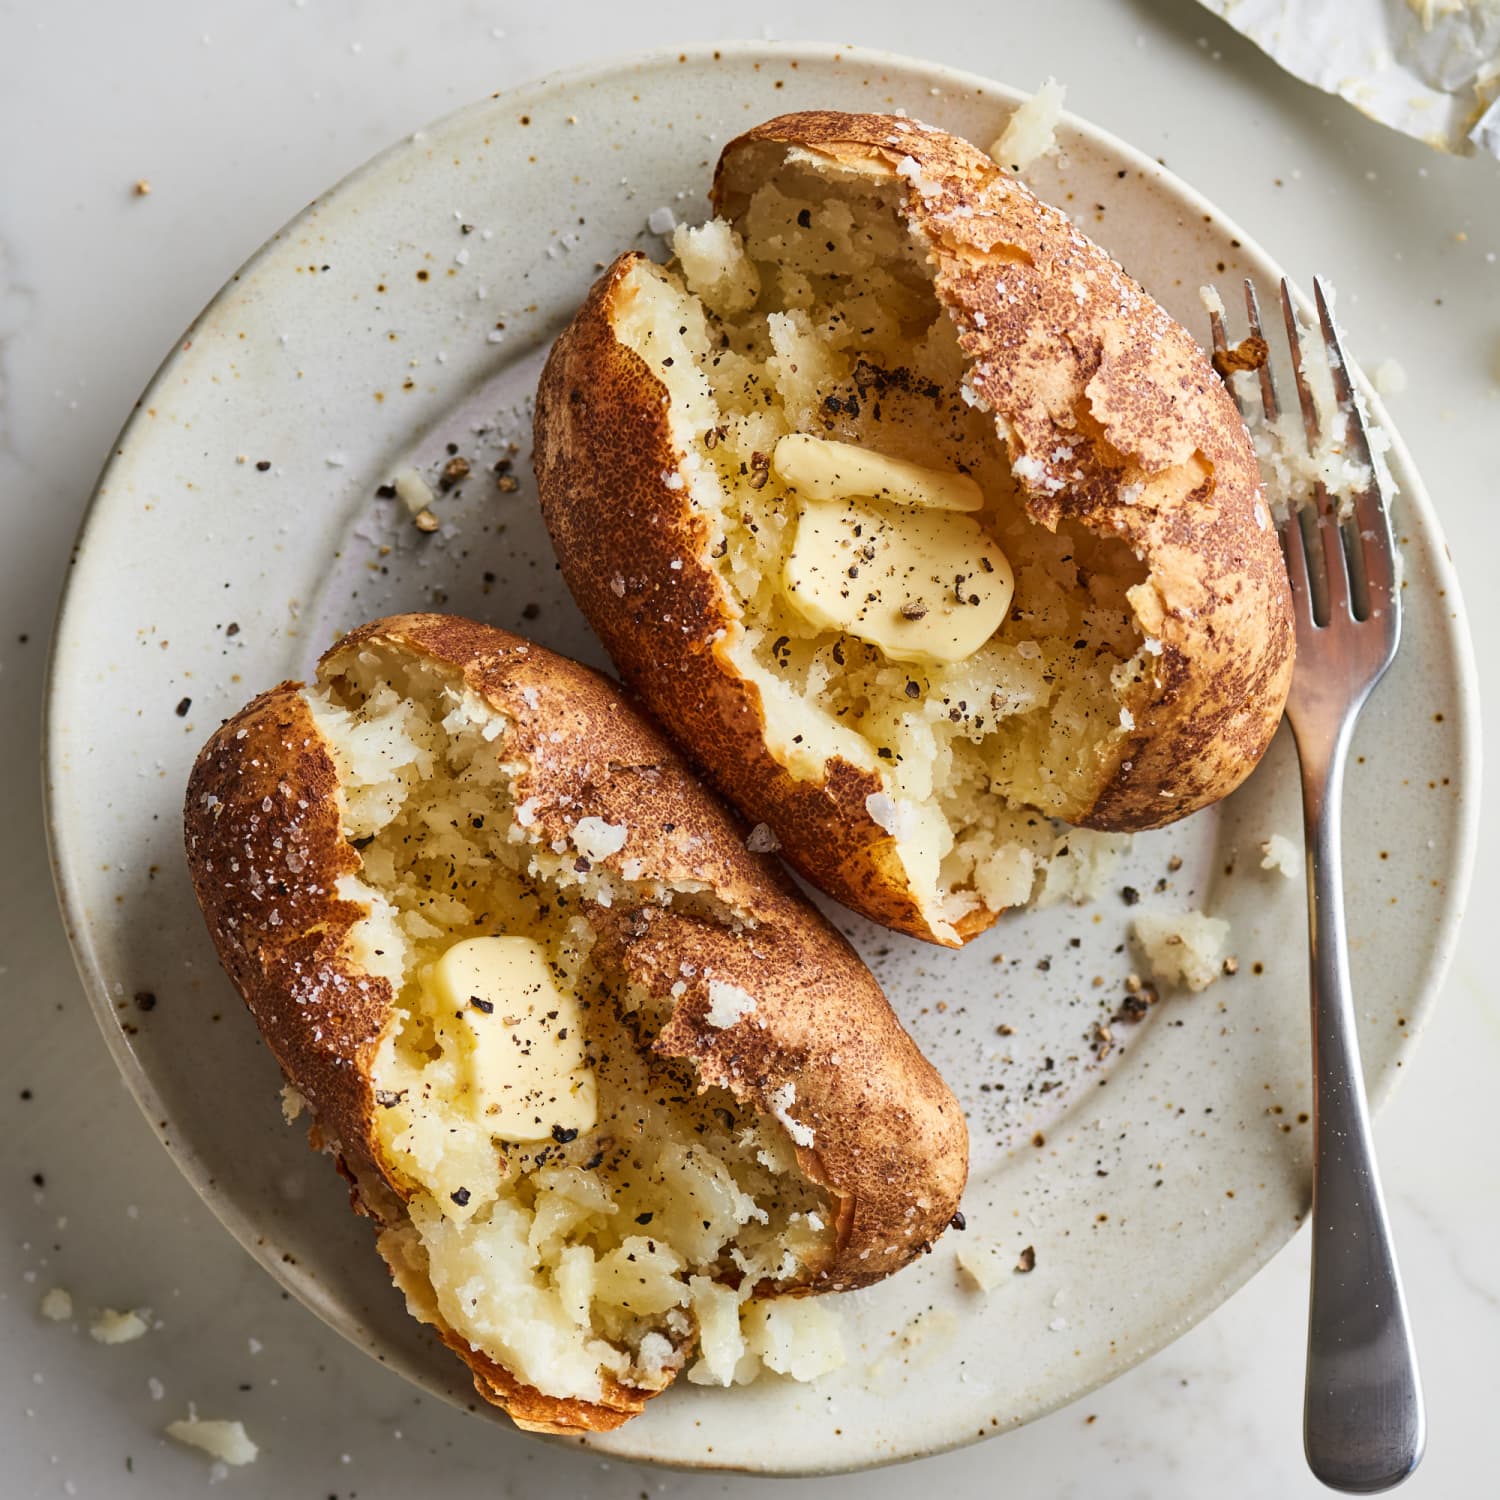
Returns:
(1430, 68)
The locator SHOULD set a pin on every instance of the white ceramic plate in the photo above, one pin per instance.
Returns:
(236, 528)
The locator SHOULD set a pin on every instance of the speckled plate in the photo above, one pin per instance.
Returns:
(402, 319)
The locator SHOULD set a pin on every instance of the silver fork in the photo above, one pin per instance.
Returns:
(1364, 1426)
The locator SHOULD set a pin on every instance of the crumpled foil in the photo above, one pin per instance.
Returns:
(1430, 68)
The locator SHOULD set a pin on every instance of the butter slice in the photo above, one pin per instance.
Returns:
(823, 469)
(921, 585)
(528, 1077)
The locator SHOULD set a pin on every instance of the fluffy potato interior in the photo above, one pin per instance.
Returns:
(820, 318)
(605, 1249)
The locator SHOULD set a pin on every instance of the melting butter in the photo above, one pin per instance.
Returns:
(528, 1075)
(919, 584)
(824, 469)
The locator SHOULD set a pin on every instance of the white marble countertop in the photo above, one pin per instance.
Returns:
(237, 114)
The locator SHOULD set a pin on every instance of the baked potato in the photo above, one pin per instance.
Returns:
(607, 1083)
(915, 520)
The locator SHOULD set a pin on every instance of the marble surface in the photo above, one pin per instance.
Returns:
(236, 114)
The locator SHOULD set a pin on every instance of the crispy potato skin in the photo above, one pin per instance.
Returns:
(888, 1135)
(1073, 353)
(602, 449)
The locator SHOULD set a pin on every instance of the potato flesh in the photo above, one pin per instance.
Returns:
(567, 1260)
(846, 341)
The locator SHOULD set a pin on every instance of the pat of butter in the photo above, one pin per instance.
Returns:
(528, 1077)
(822, 469)
(922, 585)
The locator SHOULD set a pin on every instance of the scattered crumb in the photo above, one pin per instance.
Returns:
(412, 490)
(762, 840)
(1031, 132)
(1279, 853)
(112, 1327)
(661, 220)
(228, 1442)
(292, 1103)
(57, 1305)
(1389, 377)
(141, 187)
(1027, 1261)
(1182, 947)
(978, 1266)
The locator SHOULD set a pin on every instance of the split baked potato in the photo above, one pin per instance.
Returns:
(915, 520)
(607, 1083)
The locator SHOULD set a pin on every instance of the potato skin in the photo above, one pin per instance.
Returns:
(1072, 354)
(890, 1143)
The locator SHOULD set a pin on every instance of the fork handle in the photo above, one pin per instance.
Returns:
(1364, 1427)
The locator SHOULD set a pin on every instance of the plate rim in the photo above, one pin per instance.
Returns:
(62, 650)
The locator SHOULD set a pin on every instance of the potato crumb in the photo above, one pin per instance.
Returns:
(1083, 863)
(412, 490)
(228, 1442)
(1279, 853)
(977, 1265)
(112, 1327)
(1183, 947)
(762, 839)
(1031, 132)
(595, 839)
(781, 1102)
(728, 1004)
(715, 266)
(795, 1336)
(1390, 377)
(893, 816)
(57, 1305)
(292, 1103)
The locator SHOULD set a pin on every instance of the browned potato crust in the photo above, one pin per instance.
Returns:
(267, 846)
(1115, 426)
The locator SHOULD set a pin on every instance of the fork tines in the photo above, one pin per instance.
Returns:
(1340, 566)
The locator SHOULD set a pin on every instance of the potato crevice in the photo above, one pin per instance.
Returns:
(592, 1256)
(816, 313)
